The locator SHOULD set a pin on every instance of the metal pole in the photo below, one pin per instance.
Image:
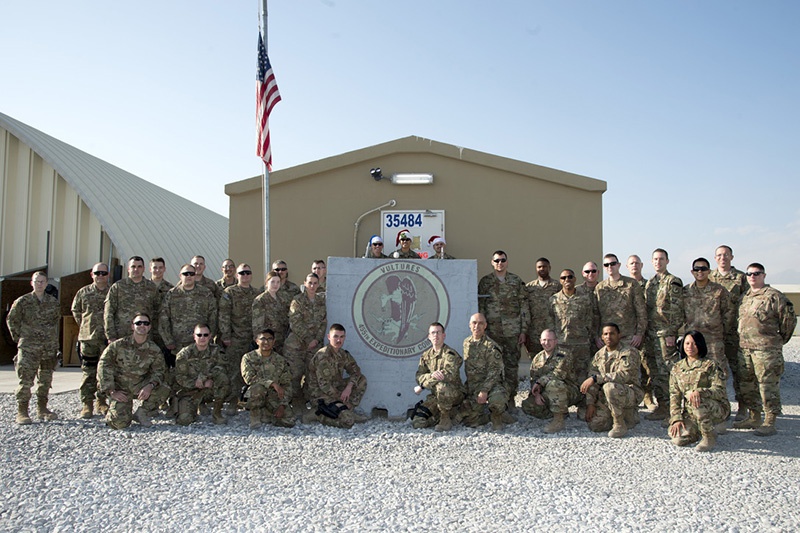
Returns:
(265, 185)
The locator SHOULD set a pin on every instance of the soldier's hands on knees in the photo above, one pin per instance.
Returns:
(693, 398)
(676, 429)
(345, 397)
(588, 382)
(279, 390)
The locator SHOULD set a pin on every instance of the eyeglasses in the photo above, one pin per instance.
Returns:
(141, 323)
(501, 260)
(611, 264)
(188, 273)
(246, 273)
(700, 269)
(592, 271)
(100, 273)
(753, 274)
(202, 334)
(280, 269)
(568, 277)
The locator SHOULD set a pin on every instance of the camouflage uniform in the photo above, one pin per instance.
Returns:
(622, 302)
(125, 300)
(556, 376)
(87, 310)
(735, 282)
(33, 325)
(272, 313)
(484, 367)
(445, 394)
(443, 255)
(506, 309)
(192, 364)
(539, 311)
(290, 288)
(307, 322)
(326, 381)
(617, 389)
(209, 284)
(411, 254)
(163, 287)
(128, 367)
(370, 256)
(235, 325)
(260, 372)
(223, 285)
(182, 311)
(575, 320)
(709, 310)
(665, 316)
(766, 323)
(707, 377)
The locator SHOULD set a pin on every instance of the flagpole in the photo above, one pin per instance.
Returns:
(265, 184)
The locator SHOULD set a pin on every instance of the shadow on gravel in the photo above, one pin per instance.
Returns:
(785, 444)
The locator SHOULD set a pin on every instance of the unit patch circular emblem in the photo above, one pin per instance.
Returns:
(394, 305)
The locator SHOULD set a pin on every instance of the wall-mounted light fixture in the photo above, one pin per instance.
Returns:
(403, 178)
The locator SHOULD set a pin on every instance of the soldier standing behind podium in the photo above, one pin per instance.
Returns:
(375, 249)
(405, 251)
(439, 372)
(87, 310)
(503, 302)
(33, 324)
(484, 367)
(438, 244)
(127, 297)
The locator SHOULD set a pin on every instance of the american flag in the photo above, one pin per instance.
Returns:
(267, 95)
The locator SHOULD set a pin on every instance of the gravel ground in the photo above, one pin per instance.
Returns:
(73, 475)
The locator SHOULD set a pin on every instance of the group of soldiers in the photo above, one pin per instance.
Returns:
(603, 346)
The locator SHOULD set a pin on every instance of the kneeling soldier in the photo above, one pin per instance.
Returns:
(200, 376)
(483, 365)
(267, 374)
(439, 372)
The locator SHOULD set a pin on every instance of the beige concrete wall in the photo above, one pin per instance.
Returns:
(486, 208)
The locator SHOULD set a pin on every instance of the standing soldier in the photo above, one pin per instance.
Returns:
(228, 278)
(405, 251)
(235, 325)
(438, 244)
(271, 311)
(766, 323)
(287, 286)
(307, 320)
(201, 375)
(129, 296)
(736, 284)
(375, 248)
(132, 367)
(621, 301)
(539, 292)
(665, 316)
(635, 270)
(589, 273)
(439, 372)
(87, 310)
(199, 264)
(503, 302)
(185, 305)
(319, 268)
(483, 366)
(157, 269)
(266, 373)
(33, 324)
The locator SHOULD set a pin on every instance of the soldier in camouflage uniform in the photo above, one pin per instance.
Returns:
(132, 368)
(126, 298)
(589, 273)
(613, 391)
(199, 264)
(228, 278)
(766, 322)
(708, 309)
(266, 373)
(438, 244)
(503, 301)
(539, 292)
(439, 372)
(634, 265)
(319, 268)
(375, 249)
(553, 385)
(665, 316)
(484, 367)
(201, 375)
(33, 323)
(87, 310)
(405, 251)
(287, 286)
(698, 400)
(334, 376)
(575, 319)
(307, 320)
(157, 269)
(621, 301)
(735, 282)
(271, 311)
(235, 327)
(185, 305)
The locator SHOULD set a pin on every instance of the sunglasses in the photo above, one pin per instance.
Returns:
(501, 260)
(100, 273)
(202, 334)
(281, 269)
(188, 273)
(700, 269)
(592, 271)
(753, 274)
(611, 264)
(246, 273)
(568, 277)
(377, 244)
(141, 323)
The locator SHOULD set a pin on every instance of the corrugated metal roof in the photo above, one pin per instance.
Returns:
(128, 206)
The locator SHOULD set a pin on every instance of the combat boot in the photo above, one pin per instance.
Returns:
(233, 408)
(88, 410)
(102, 406)
(22, 414)
(255, 418)
(707, 443)
(216, 416)
(555, 425)
(752, 422)
(631, 417)
(497, 421)
(661, 412)
(42, 412)
(649, 402)
(618, 429)
(768, 427)
(741, 414)
(143, 418)
(445, 424)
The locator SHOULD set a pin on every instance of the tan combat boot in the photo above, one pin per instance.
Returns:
(649, 402)
(497, 421)
(143, 418)
(255, 418)
(618, 429)
(22, 414)
(43, 412)
(741, 414)
(768, 427)
(631, 417)
(88, 410)
(661, 412)
(752, 422)
(102, 406)
(445, 424)
(707, 443)
(555, 425)
(216, 416)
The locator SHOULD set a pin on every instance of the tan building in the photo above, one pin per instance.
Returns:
(488, 202)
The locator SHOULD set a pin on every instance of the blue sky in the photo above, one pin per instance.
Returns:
(689, 110)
